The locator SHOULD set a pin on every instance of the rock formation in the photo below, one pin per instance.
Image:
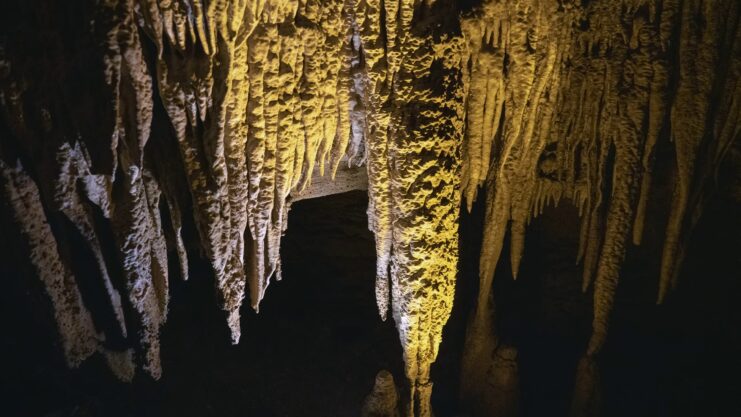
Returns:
(121, 118)
(383, 400)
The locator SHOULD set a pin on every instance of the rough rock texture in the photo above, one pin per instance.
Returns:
(383, 401)
(73, 319)
(492, 387)
(589, 91)
(125, 117)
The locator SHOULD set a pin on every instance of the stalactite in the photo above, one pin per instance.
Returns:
(624, 117)
(699, 54)
(344, 87)
(425, 136)
(173, 188)
(657, 113)
(485, 92)
(79, 339)
(222, 109)
(375, 83)
(74, 169)
(258, 217)
(158, 248)
(611, 109)
(133, 229)
(182, 87)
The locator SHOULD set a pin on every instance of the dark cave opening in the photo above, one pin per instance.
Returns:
(675, 359)
(313, 349)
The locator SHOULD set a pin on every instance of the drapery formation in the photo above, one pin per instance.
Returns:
(120, 118)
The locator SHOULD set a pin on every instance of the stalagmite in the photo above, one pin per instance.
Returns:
(383, 401)
(120, 363)
(587, 396)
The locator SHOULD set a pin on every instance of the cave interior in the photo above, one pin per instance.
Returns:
(374, 208)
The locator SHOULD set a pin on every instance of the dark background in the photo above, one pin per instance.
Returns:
(317, 343)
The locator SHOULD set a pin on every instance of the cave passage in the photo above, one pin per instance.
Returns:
(320, 339)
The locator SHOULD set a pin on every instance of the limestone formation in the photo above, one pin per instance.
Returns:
(74, 324)
(383, 400)
(131, 118)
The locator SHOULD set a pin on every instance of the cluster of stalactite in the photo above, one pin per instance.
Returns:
(570, 100)
(120, 118)
(158, 109)
(132, 114)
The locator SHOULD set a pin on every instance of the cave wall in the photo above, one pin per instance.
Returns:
(134, 130)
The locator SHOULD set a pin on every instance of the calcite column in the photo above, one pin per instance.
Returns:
(424, 148)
